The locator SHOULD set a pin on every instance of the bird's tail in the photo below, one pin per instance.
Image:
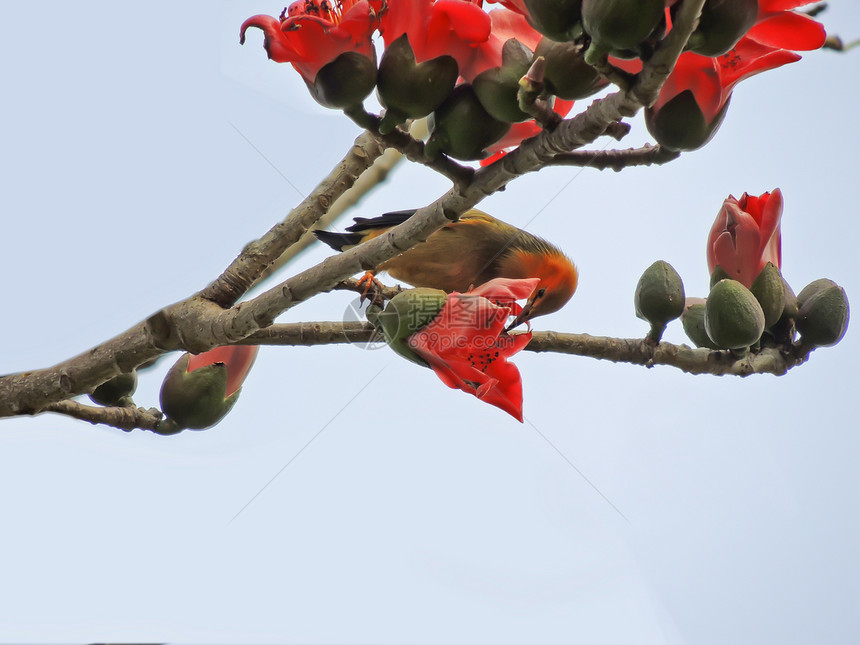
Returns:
(339, 241)
(362, 229)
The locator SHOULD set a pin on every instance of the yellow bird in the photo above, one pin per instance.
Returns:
(469, 252)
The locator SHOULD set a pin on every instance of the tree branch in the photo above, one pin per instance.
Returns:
(124, 418)
(636, 351)
(200, 322)
(617, 160)
(256, 257)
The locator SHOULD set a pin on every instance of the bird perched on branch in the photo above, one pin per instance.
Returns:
(469, 252)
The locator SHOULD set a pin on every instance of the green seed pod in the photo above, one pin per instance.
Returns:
(659, 294)
(693, 320)
(409, 90)
(556, 19)
(769, 290)
(823, 314)
(196, 399)
(497, 88)
(733, 316)
(115, 391)
(721, 25)
(345, 82)
(567, 75)
(406, 313)
(680, 124)
(619, 27)
(461, 127)
(718, 274)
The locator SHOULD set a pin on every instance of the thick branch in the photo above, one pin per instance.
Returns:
(198, 323)
(246, 269)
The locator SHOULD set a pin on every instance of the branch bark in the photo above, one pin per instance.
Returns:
(202, 321)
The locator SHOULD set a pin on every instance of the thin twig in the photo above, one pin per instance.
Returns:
(617, 160)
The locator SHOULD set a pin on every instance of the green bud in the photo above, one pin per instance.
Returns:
(733, 317)
(196, 399)
(406, 313)
(721, 25)
(497, 88)
(769, 290)
(680, 124)
(345, 82)
(718, 274)
(556, 19)
(115, 391)
(619, 27)
(693, 320)
(461, 127)
(409, 90)
(567, 75)
(659, 294)
(823, 313)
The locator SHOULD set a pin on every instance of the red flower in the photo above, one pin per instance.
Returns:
(436, 27)
(467, 346)
(505, 24)
(699, 87)
(310, 34)
(746, 236)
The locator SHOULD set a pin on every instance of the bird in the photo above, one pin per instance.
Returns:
(469, 252)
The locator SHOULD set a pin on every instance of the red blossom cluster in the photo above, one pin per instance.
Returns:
(461, 64)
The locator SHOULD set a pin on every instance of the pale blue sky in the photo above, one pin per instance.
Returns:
(416, 514)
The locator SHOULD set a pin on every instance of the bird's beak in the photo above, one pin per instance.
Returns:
(524, 315)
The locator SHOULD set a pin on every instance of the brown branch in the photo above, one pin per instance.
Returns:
(413, 150)
(836, 44)
(246, 269)
(637, 351)
(617, 160)
(124, 418)
(199, 323)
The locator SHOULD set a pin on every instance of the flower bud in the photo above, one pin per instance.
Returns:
(497, 88)
(823, 313)
(461, 127)
(733, 317)
(409, 90)
(200, 390)
(769, 289)
(115, 391)
(405, 314)
(620, 26)
(721, 25)
(659, 294)
(680, 123)
(567, 75)
(718, 274)
(693, 320)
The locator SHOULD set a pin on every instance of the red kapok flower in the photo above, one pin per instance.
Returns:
(436, 27)
(311, 34)
(468, 348)
(694, 98)
(746, 236)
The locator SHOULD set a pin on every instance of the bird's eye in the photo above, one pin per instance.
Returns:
(540, 293)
